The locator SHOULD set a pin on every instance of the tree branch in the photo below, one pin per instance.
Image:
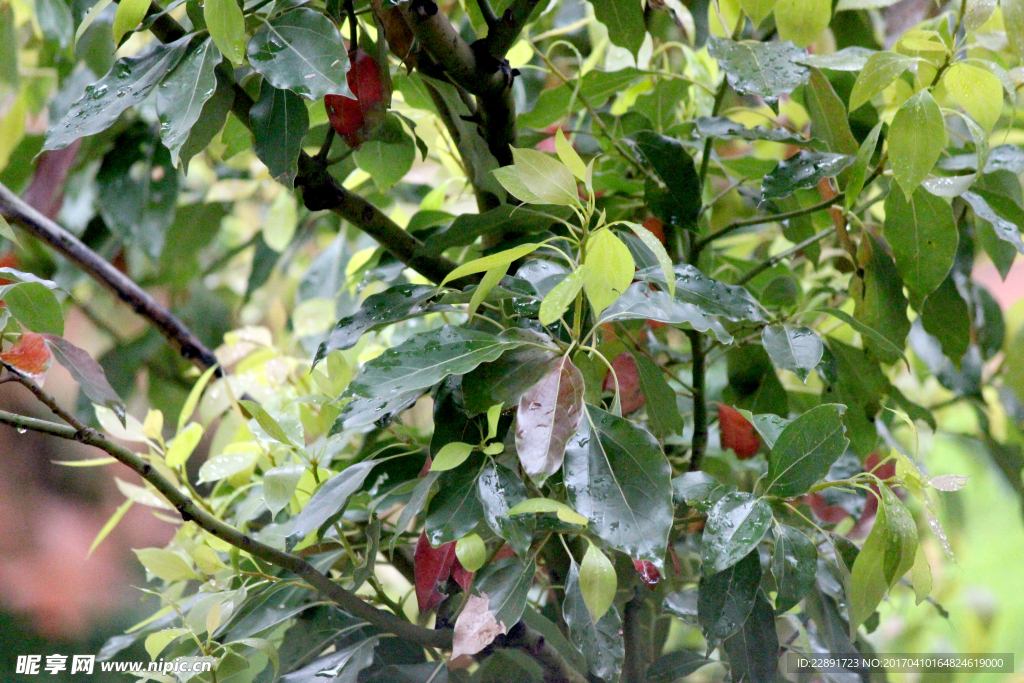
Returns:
(699, 442)
(321, 190)
(191, 512)
(15, 210)
(781, 256)
(502, 36)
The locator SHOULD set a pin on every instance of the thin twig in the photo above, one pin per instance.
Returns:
(768, 263)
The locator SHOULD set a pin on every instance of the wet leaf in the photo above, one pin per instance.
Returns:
(597, 582)
(923, 237)
(301, 51)
(797, 349)
(279, 485)
(802, 171)
(723, 127)
(600, 641)
(735, 525)
(916, 138)
(499, 490)
(616, 475)
(128, 83)
(675, 168)
(880, 70)
(227, 28)
(609, 269)
(625, 22)
(455, 509)
(726, 598)
(279, 122)
(329, 501)
(754, 651)
(662, 410)
(794, 565)
(805, 451)
(181, 96)
(549, 414)
(767, 70)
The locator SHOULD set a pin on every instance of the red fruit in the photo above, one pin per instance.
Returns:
(737, 433)
(656, 227)
(648, 572)
(30, 355)
(355, 119)
(433, 566)
(630, 395)
(830, 514)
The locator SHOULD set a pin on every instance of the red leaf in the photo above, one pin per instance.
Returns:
(29, 355)
(656, 227)
(550, 413)
(648, 572)
(630, 395)
(737, 433)
(830, 514)
(462, 577)
(433, 566)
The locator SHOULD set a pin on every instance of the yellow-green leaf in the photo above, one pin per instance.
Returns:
(977, 91)
(757, 10)
(179, 450)
(227, 28)
(111, 523)
(471, 552)
(569, 156)
(917, 137)
(130, 14)
(921, 576)
(655, 245)
(598, 582)
(194, 396)
(801, 21)
(491, 278)
(165, 564)
(450, 456)
(610, 269)
(535, 505)
(561, 295)
(487, 262)
(156, 642)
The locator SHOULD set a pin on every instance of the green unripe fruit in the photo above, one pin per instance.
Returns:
(471, 552)
(597, 582)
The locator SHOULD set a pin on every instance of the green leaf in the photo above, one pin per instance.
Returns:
(757, 10)
(643, 302)
(722, 127)
(467, 227)
(279, 485)
(488, 282)
(881, 69)
(226, 24)
(805, 450)
(802, 21)
(268, 423)
(181, 96)
(1005, 229)
(7, 232)
(610, 269)
(166, 565)
(156, 642)
(851, 58)
(676, 170)
(389, 155)
(1013, 18)
(485, 263)
(130, 14)
(662, 410)
(735, 525)
(625, 22)
(90, 17)
(879, 302)
(302, 51)
(561, 295)
(455, 510)
(917, 137)
(923, 237)
(859, 171)
(499, 490)
(600, 641)
(977, 91)
(34, 306)
(87, 372)
(726, 598)
(506, 379)
(945, 316)
(568, 155)
(767, 70)
(655, 245)
(328, 503)
(539, 505)
(379, 310)
(597, 582)
(754, 652)
(797, 349)
(507, 584)
(550, 413)
(279, 122)
(536, 178)
(802, 171)
(596, 86)
(451, 456)
(138, 190)
(921, 576)
(794, 566)
(674, 666)
(129, 82)
(716, 298)
(887, 347)
(616, 475)
(829, 120)
(54, 17)
(182, 446)
(194, 395)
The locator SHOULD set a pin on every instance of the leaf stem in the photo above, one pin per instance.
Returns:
(699, 442)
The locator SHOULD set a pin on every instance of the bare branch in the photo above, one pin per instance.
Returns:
(503, 36)
(191, 512)
(177, 333)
